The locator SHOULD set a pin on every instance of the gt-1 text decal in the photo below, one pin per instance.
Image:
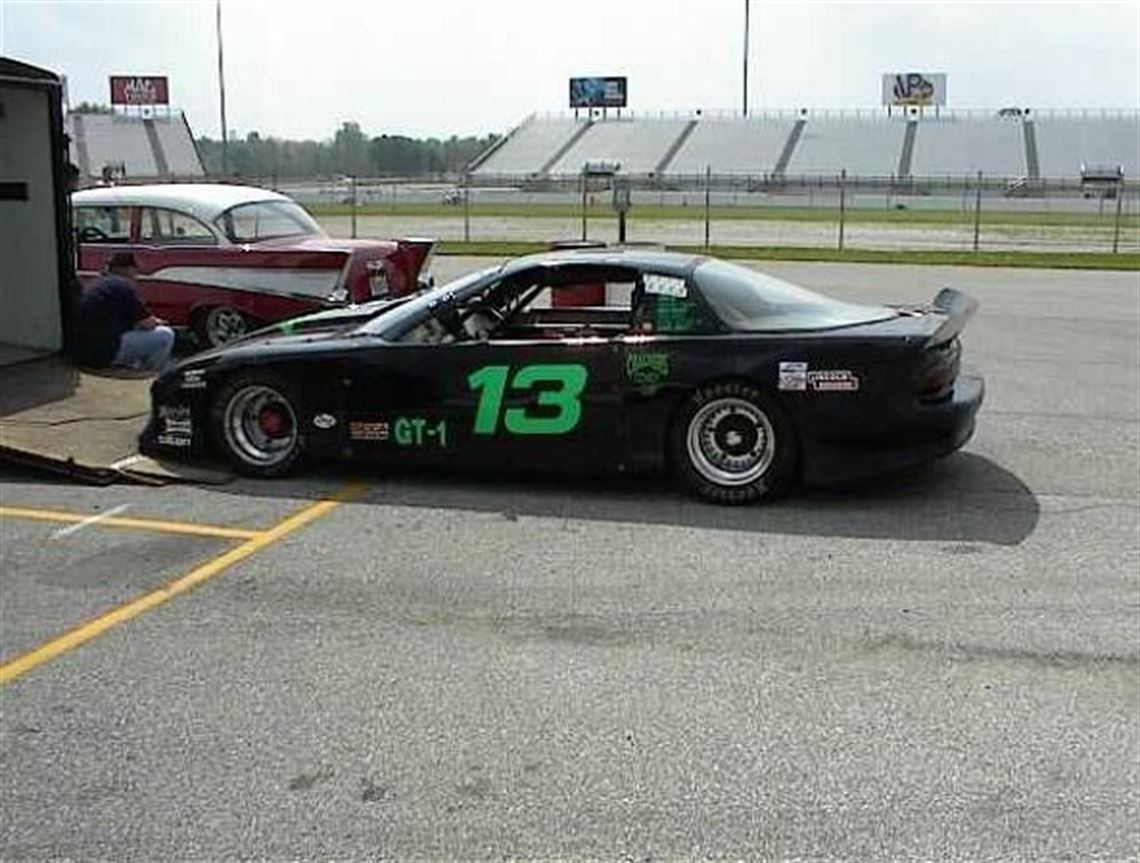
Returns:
(416, 431)
(491, 382)
(404, 431)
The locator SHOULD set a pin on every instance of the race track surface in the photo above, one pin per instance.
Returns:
(943, 665)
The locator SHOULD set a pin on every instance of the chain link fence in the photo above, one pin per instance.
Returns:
(958, 214)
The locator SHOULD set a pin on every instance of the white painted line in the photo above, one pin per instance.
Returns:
(87, 522)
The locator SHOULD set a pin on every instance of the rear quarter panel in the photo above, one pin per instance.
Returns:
(850, 389)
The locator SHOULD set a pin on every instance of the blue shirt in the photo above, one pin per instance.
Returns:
(110, 306)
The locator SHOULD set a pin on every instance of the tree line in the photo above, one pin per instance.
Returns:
(349, 153)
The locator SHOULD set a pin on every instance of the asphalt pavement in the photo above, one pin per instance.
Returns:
(943, 665)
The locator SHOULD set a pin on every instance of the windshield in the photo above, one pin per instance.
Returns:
(263, 220)
(395, 321)
(747, 300)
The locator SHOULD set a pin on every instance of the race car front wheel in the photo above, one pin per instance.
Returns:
(733, 444)
(255, 423)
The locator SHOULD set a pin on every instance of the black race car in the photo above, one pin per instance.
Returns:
(590, 361)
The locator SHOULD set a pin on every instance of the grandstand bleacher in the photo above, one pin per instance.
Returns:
(744, 146)
(862, 146)
(1066, 143)
(622, 141)
(133, 147)
(953, 145)
(1008, 146)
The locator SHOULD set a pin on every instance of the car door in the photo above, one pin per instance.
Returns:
(541, 403)
(167, 240)
(674, 343)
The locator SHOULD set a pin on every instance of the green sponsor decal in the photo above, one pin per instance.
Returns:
(675, 315)
(646, 368)
(557, 386)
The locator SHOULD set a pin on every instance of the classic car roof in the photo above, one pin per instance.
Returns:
(667, 263)
(206, 201)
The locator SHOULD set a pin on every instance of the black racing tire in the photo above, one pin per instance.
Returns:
(732, 443)
(216, 325)
(255, 422)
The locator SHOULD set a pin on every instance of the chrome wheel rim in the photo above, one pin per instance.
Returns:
(731, 442)
(260, 426)
(224, 325)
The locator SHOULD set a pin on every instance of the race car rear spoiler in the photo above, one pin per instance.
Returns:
(958, 308)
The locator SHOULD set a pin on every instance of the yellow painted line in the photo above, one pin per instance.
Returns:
(9, 671)
(184, 527)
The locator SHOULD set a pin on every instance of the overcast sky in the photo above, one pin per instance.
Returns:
(442, 67)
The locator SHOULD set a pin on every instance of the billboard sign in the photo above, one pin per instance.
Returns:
(597, 92)
(914, 88)
(139, 90)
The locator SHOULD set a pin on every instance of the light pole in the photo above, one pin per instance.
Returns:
(746, 58)
(222, 88)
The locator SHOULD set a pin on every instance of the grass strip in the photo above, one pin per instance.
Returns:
(649, 212)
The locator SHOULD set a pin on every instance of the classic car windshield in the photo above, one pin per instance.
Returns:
(406, 315)
(747, 300)
(263, 220)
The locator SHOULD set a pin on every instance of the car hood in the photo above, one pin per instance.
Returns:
(300, 334)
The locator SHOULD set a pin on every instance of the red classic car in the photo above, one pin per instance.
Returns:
(223, 260)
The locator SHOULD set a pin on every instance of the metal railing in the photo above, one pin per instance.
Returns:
(869, 113)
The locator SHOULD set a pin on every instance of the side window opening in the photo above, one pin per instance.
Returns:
(169, 227)
(561, 302)
(571, 301)
(103, 224)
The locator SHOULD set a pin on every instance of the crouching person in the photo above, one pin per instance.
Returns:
(114, 328)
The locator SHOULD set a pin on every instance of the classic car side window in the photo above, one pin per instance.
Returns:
(169, 227)
(103, 224)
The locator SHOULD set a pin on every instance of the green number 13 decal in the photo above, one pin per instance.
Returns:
(491, 382)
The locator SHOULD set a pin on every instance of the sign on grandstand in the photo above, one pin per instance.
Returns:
(914, 88)
(139, 90)
(597, 92)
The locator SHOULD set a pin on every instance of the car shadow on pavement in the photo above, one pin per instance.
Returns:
(964, 498)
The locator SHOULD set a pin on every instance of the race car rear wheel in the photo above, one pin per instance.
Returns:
(733, 444)
(255, 423)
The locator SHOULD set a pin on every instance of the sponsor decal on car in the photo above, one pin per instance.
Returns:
(194, 379)
(795, 377)
(667, 286)
(646, 369)
(402, 431)
(368, 430)
(177, 425)
(834, 380)
(673, 314)
(324, 421)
